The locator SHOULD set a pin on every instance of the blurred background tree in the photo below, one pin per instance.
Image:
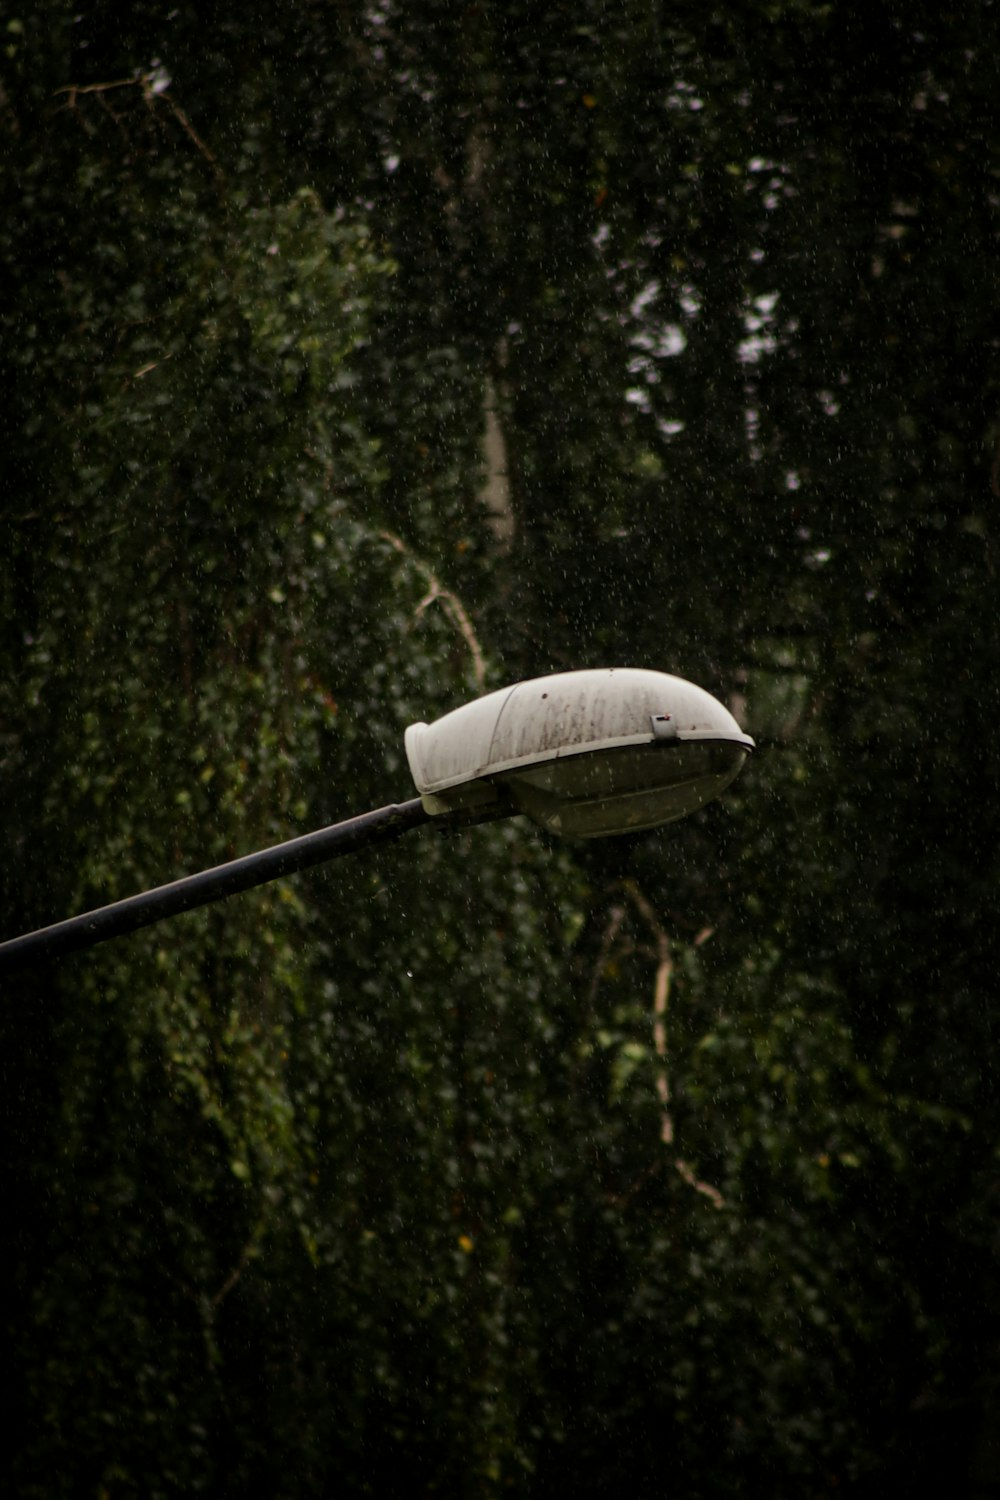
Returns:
(362, 357)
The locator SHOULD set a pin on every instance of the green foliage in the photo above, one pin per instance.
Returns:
(480, 1165)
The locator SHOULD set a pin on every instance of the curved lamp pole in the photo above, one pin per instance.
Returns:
(586, 754)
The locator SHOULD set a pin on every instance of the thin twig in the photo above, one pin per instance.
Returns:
(450, 602)
(705, 1188)
(661, 998)
(186, 125)
(247, 1255)
(661, 1001)
(151, 95)
(74, 89)
(611, 932)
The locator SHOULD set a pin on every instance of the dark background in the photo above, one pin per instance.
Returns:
(365, 1182)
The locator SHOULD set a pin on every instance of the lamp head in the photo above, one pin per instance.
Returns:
(586, 754)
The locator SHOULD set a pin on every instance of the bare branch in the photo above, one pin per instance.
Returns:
(661, 1001)
(705, 1188)
(75, 89)
(450, 603)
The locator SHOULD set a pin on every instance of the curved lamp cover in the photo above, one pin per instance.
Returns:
(584, 754)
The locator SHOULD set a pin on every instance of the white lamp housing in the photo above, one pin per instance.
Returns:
(585, 754)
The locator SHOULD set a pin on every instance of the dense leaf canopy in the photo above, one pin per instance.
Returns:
(358, 358)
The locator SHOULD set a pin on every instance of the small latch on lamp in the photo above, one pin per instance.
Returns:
(663, 726)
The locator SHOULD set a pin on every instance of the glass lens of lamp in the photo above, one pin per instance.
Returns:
(626, 790)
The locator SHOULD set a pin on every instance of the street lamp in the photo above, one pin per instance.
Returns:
(584, 754)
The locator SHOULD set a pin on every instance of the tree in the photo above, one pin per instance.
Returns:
(492, 1164)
